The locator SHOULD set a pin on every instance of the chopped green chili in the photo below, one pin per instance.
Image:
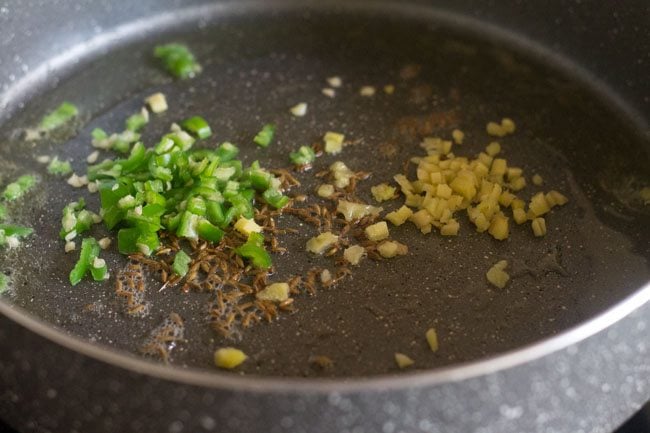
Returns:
(265, 136)
(178, 60)
(198, 126)
(58, 167)
(227, 151)
(76, 220)
(20, 187)
(136, 122)
(10, 234)
(254, 251)
(303, 156)
(15, 230)
(193, 193)
(99, 269)
(3, 212)
(4, 283)
(181, 263)
(98, 134)
(89, 252)
(275, 198)
(61, 115)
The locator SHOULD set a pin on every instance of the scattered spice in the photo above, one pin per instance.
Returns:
(164, 338)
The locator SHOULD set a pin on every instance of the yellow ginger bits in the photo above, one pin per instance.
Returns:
(354, 254)
(322, 242)
(432, 339)
(377, 232)
(334, 142)
(276, 292)
(403, 361)
(539, 227)
(229, 358)
(458, 136)
(390, 249)
(383, 192)
(484, 187)
(399, 216)
(497, 276)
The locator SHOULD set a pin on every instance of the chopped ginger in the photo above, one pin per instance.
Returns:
(399, 216)
(322, 242)
(499, 227)
(334, 142)
(390, 249)
(354, 211)
(554, 198)
(354, 254)
(519, 215)
(458, 136)
(276, 292)
(342, 174)
(377, 232)
(229, 357)
(325, 190)
(403, 361)
(539, 227)
(247, 226)
(508, 125)
(432, 339)
(497, 276)
(450, 229)
(157, 102)
(493, 148)
(538, 205)
(383, 192)
(493, 128)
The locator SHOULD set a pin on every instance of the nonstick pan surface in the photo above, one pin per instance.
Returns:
(255, 67)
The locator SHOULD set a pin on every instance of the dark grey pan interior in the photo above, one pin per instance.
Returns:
(259, 64)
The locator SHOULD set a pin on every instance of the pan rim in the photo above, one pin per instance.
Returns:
(273, 384)
(267, 384)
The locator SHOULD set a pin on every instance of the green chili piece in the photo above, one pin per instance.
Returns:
(260, 180)
(275, 198)
(303, 156)
(254, 251)
(178, 60)
(147, 242)
(265, 136)
(215, 212)
(4, 283)
(20, 187)
(127, 241)
(181, 263)
(58, 167)
(61, 115)
(187, 227)
(15, 230)
(3, 212)
(98, 134)
(227, 151)
(89, 251)
(99, 269)
(209, 232)
(198, 126)
(136, 122)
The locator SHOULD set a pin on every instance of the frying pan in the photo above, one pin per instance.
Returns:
(563, 348)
